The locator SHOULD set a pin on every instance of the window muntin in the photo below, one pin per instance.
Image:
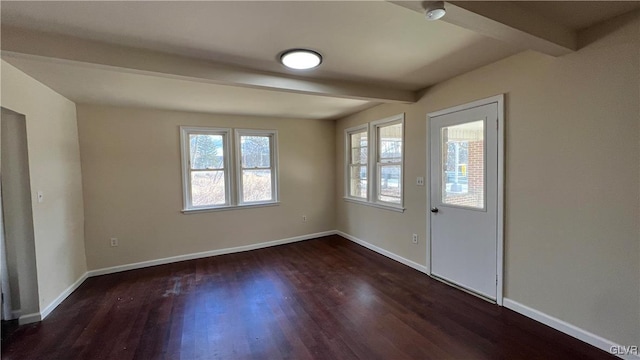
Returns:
(256, 167)
(357, 159)
(205, 167)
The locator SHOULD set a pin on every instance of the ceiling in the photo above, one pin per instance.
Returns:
(365, 43)
(578, 15)
(374, 42)
(102, 86)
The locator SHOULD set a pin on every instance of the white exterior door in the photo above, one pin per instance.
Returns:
(465, 248)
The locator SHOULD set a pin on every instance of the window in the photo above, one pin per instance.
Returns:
(207, 168)
(256, 166)
(357, 160)
(374, 163)
(206, 176)
(389, 135)
(463, 165)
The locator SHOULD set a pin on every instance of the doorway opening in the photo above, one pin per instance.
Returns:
(18, 270)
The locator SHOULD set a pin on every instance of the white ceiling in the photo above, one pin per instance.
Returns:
(578, 15)
(375, 43)
(94, 85)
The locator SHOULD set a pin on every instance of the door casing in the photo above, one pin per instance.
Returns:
(499, 100)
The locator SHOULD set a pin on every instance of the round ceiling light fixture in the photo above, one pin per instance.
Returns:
(301, 59)
(434, 10)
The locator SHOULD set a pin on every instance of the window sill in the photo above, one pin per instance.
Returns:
(375, 205)
(230, 207)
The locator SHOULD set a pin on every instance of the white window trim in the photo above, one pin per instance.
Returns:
(230, 207)
(273, 153)
(372, 164)
(347, 159)
(185, 131)
(375, 205)
(232, 166)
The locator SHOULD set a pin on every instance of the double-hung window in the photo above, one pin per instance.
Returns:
(218, 175)
(206, 175)
(357, 160)
(374, 157)
(389, 144)
(256, 166)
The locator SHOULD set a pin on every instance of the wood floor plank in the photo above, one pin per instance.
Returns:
(319, 299)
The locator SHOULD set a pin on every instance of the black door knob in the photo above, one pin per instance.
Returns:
(434, 210)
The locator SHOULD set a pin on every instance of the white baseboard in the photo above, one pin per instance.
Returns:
(29, 318)
(384, 252)
(57, 301)
(565, 327)
(199, 255)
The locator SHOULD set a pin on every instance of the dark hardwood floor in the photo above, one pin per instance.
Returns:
(319, 299)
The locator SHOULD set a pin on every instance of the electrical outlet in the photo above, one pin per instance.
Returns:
(420, 181)
(414, 238)
(114, 242)
(304, 218)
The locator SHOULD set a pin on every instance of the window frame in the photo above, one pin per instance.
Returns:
(273, 162)
(376, 163)
(185, 132)
(348, 132)
(373, 180)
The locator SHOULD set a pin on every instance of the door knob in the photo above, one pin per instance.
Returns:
(434, 210)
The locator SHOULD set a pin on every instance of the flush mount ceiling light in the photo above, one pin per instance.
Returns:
(434, 10)
(300, 59)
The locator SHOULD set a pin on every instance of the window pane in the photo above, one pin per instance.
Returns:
(390, 180)
(358, 181)
(359, 148)
(255, 151)
(390, 143)
(207, 188)
(463, 165)
(206, 151)
(256, 185)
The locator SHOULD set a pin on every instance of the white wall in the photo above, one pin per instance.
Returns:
(133, 185)
(54, 167)
(572, 233)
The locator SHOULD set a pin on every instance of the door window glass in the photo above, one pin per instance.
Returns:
(463, 164)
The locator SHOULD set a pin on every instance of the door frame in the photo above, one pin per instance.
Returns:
(499, 100)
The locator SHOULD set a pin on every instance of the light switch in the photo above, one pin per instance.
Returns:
(420, 181)
(40, 197)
